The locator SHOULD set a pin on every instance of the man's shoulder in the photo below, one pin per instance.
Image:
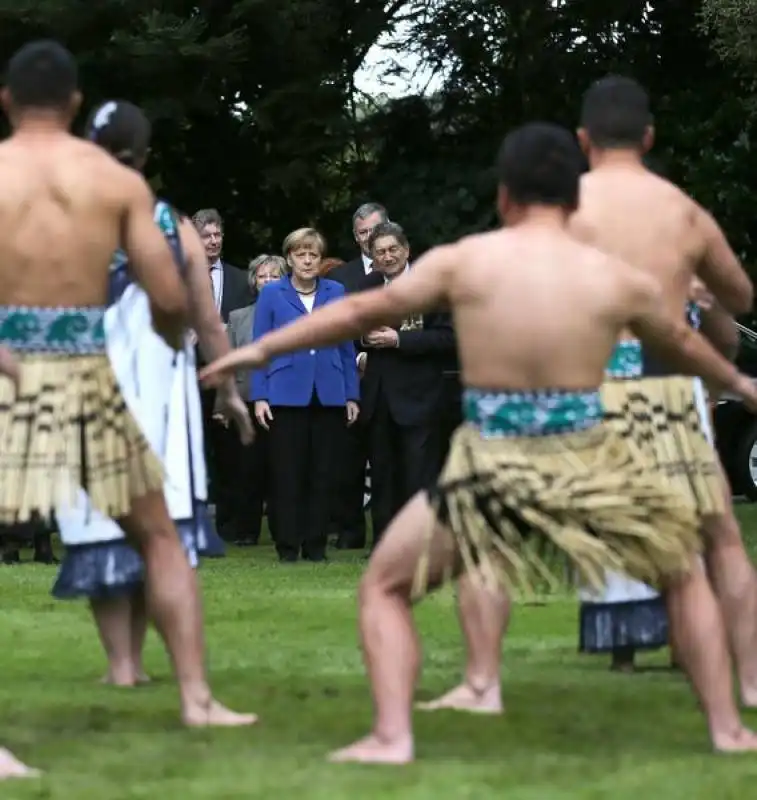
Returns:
(349, 269)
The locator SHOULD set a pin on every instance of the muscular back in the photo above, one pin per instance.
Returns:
(536, 309)
(65, 207)
(649, 223)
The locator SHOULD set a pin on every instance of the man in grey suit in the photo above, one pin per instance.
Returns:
(249, 491)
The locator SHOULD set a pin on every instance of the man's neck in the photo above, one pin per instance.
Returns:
(623, 157)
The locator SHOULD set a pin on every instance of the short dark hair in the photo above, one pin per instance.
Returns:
(388, 229)
(540, 164)
(121, 128)
(615, 112)
(42, 74)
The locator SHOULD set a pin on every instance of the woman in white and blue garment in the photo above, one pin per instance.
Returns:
(160, 386)
(305, 399)
(627, 615)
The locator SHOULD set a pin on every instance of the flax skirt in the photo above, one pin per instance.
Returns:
(668, 420)
(67, 425)
(511, 502)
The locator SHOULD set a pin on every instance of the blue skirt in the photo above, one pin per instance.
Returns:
(106, 570)
(636, 624)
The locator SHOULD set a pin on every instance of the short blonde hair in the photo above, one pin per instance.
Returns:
(265, 258)
(302, 237)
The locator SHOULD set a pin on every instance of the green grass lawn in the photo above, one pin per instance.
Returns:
(282, 643)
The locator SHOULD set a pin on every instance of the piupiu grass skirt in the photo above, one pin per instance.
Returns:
(67, 425)
(513, 503)
(666, 420)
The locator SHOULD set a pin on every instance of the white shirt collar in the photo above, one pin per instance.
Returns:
(407, 269)
(367, 263)
(216, 265)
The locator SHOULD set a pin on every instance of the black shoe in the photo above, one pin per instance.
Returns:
(287, 558)
(246, 542)
(350, 541)
(11, 557)
(45, 558)
(315, 558)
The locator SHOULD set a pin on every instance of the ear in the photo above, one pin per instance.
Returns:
(76, 101)
(583, 140)
(503, 202)
(647, 142)
(5, 100)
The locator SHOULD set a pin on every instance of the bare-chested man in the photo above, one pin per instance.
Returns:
(66, 206)
(535, 457)
(645, 220)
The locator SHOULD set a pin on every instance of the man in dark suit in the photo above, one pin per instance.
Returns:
(403, 389)
(348, 514)
(230, 292)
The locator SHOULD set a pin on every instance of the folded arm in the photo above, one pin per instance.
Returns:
(438, 337)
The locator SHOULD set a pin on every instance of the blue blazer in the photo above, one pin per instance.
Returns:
(290, 380)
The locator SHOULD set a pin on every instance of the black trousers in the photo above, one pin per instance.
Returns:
(348, 513)
(251, 487)
(404, 460)
(221, 454)
(302, 469)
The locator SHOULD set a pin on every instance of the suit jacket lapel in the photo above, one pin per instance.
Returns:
(291, 295)
(322, 294)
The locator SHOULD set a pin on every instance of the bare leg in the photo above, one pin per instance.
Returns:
(700, 643)
(139, 621)
(11, 767)
(390, 645)
(484, 616)
(113, 620)
(735, 583)
(174, 601)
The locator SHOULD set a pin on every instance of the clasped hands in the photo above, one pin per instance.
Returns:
(381, 338)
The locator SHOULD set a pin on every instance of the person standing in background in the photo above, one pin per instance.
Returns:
(250, 489)
(348, 517)
(305, 399)
(402, 389)
(230, 292)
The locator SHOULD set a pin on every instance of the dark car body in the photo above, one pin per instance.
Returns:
(736, 427)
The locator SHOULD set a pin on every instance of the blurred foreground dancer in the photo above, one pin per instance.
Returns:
(535, 457)
(66, 207)
(160, 386)
(639, 217)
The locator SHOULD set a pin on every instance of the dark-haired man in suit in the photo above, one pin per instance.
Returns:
(230, 292)
(348, 514)
(403, 389)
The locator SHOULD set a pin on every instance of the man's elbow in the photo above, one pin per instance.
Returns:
(740, 299)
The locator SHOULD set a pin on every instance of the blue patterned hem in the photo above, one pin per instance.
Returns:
(60, 331)
(637, 624)
(626, 361)
(546, 412)
(209, 543)
(106, 570)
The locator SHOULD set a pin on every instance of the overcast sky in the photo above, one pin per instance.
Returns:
(377, 60)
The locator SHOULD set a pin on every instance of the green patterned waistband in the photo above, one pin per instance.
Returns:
(626, 361)
(547, 412)
(78, 331)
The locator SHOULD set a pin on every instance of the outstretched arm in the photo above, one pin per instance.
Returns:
(422, 289)
(679, 345)
(720, 269)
